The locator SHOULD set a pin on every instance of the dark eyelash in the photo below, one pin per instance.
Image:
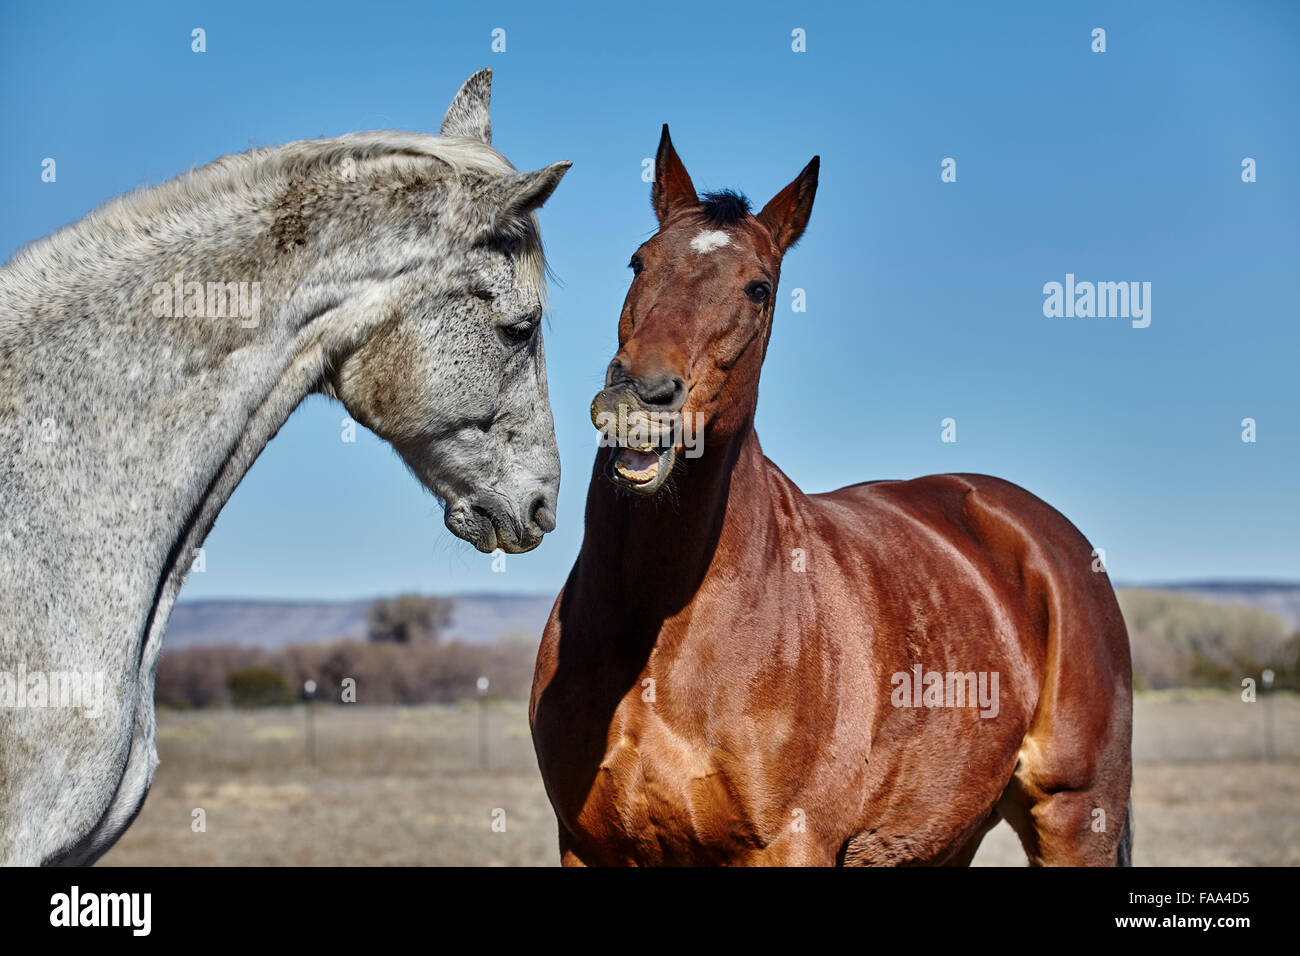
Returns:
(520, 331)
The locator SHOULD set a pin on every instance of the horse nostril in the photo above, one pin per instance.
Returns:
(667, 391)
(615, 374)
(540, 514)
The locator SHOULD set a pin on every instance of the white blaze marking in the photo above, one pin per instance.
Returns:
(710, 239)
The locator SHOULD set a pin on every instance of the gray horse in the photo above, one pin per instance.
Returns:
(150, 351)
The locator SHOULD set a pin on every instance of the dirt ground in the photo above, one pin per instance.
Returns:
(404, 786)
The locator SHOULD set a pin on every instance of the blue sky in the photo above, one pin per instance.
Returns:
(924, 298)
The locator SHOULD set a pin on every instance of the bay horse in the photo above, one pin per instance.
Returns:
(150, 351)
(737, 672)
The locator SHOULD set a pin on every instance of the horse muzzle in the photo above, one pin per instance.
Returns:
(644, 439)
(490, 521)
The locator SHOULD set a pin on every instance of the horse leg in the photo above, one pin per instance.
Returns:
(1062, 823)
(967, 853)
(568, 853)
(1068, 799)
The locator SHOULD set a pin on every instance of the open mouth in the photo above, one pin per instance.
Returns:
(642, 441)
(642, 469)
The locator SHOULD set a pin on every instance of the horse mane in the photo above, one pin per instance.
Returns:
(723, 208)
(265, 168)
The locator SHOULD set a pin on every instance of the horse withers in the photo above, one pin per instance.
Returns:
(150, 351)
(737, 672)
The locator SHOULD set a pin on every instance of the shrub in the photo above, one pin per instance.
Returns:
(1182, 641)
(259, 687)
(385, 672)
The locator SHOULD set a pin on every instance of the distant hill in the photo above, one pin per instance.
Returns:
(476, 619)
(484, 618)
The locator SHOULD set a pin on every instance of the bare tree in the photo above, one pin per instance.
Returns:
(408, 618)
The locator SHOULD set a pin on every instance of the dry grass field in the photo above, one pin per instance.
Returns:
(403, 786)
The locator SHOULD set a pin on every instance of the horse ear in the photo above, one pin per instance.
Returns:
(673, 186)
(787, 214)
(514, 196)
(468, 114)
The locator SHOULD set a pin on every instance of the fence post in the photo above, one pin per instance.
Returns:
(482, 685)
(309, 691)
(1266, 679)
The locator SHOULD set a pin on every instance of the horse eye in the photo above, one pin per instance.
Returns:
(758, 291)
(485, 295)
(635, 265)
(519, 332)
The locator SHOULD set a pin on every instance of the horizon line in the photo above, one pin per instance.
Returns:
(1256, 583)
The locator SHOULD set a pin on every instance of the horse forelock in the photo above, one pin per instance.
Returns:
(724, 208)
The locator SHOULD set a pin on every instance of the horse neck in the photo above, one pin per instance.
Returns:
(134, 248)
(209, 281)
(179, 407)
(651, 557)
